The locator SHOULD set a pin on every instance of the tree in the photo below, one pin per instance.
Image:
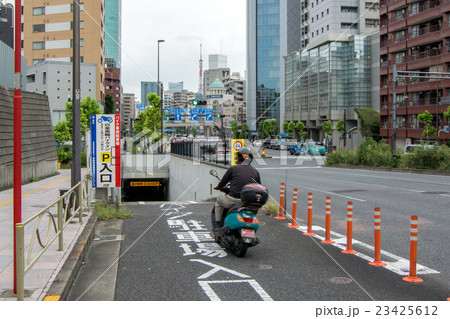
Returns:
(245, 130)
(285, 126)
(148, 122)
(447, 114)
(63, 129)
(300, 129)
(370, 122)
(235, 129)
(194, 131)
(426, 118)
(291, 128)
(109, 104)
(273, 127)
(62, 133)
(340, 127)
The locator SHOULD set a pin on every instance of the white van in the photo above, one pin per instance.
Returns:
(410, 148)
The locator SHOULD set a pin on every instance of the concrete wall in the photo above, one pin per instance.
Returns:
(39, 157)
(190, 180)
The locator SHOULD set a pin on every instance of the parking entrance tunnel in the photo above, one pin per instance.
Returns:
(145, 189)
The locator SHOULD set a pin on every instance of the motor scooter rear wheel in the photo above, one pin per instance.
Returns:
(240, 248)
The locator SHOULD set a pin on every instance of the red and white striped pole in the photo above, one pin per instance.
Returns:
(310, 209)
(377, 227)
(327, 222)
(413, 252)
(294, 210)
(280, 214)
(349, 249)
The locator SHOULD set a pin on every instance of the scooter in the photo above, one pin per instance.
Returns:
(239, 223)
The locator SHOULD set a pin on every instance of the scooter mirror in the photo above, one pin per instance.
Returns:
(213, 173)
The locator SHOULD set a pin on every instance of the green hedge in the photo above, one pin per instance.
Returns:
(378, 154)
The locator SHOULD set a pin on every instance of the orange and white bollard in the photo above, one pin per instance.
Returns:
(327, 222)
(282, 192)
(349, 249)
(413, 252)
(310, 208)
(294, 210)
(377, 228)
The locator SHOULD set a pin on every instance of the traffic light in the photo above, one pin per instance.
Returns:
(199, 102)
(219, 115)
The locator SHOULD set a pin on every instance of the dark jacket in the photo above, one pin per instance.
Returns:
(238, 176)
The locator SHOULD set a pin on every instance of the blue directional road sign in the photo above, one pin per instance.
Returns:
(194, 117)
(208, 117)
(178, 117)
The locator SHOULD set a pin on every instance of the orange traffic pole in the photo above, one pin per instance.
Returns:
(280, 214)
(377, 228)
(349, 249)
(310, 206)
(327, 222)
(294, 210)
(413, 252)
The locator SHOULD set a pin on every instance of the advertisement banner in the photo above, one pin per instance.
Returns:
(105, 150)
(236, 145)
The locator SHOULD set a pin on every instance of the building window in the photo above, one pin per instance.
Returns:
(39, 28)
(38, 11)
(39, 45)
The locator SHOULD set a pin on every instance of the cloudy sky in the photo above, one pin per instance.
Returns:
(218, 24)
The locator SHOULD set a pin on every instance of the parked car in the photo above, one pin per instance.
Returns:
(298, 149)
(257, 143)
(316, 148)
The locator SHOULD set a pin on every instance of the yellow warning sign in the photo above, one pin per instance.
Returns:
(138, 184)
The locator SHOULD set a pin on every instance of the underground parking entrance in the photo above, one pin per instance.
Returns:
(145, 189)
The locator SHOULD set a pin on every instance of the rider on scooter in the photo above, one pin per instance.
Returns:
(238, 176)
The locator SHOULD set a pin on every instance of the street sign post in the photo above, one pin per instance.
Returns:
(105, 148)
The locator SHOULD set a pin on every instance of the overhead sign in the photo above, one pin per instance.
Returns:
(208, 117)
(178, 117)
(105, 148)
(177, 111)
(236, 145)
(217, 96)
(194, 117)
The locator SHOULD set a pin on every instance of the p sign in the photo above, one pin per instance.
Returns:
(236, 146)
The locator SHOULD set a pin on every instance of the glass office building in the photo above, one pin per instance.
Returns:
(148, 88)
(326, 80)
(113, 30)
(273, 28)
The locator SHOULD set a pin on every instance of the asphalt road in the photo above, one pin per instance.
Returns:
(166, 254)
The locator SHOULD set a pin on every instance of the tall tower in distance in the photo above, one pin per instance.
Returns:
(200, 76)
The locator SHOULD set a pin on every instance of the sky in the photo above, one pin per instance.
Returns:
(220, 26)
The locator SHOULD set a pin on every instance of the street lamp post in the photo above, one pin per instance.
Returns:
(160, 96)
(76, 122)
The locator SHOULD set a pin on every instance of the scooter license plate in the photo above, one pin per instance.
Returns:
(249, 233)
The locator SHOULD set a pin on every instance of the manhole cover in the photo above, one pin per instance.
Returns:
(263, 267)
(341, 280)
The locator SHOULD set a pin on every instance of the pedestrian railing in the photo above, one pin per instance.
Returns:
(45, 229)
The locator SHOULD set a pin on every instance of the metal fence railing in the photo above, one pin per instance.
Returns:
(66, 207)
(214, 152)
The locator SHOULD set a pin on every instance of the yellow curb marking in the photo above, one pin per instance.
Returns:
(52, 298)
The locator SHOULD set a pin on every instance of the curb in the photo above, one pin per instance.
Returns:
(388, 169)
(59, 290)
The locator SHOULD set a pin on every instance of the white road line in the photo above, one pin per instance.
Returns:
(330, 193)
(399, 266)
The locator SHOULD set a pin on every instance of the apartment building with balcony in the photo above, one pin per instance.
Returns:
(48, 31)
(414, 36)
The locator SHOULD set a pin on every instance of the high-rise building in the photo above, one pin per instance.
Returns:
(217, 61)
(148, 88)
(176, 87)
(273, 29)
(235, 84)
(414, 36)
(127, 110)
(47, 34)
(209, 76)
(113, 87)
(113, 31)
(6, 24)
(331, 74)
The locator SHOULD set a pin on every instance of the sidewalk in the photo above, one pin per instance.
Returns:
(39, 278)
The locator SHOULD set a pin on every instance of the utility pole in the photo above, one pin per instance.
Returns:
(345, 128)
(394, 110)
(76, 123)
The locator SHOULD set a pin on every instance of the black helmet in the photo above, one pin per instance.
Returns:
(243, 154)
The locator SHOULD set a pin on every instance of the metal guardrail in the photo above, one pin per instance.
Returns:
(67, 207)
(213, 152)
